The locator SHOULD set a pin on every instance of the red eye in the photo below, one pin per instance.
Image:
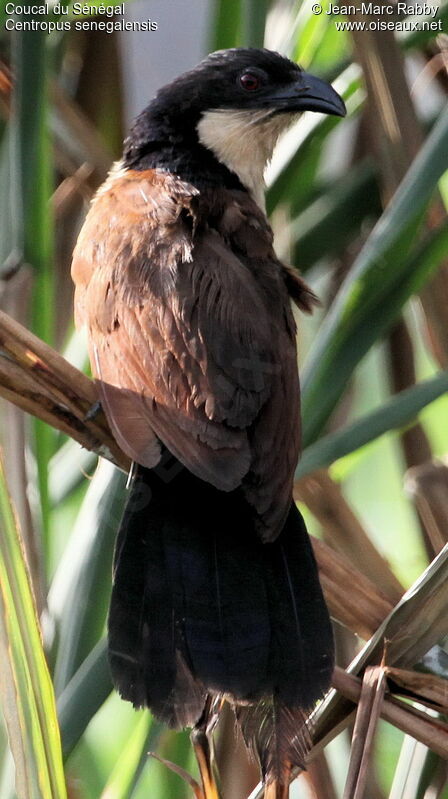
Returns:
(250, 82)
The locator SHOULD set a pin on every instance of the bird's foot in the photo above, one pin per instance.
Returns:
(203, 749)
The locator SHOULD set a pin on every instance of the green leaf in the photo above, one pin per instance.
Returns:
(309, 35)
(397, 413)
(376, 287)
(32, 169)
(329, 223)
(226, 24)
(68, 468)
(80, 591)
(254, 17)
(25, 686)
(83, 696)
(133, 757)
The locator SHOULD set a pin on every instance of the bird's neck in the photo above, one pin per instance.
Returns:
(155, 142)
(244, 142)
(191, 163)
(227, 149)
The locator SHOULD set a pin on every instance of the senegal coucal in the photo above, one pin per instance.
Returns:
(193, 344)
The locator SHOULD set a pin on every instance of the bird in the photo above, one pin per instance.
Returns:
(192, 341)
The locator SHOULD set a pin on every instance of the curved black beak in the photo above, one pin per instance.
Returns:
(309, 93)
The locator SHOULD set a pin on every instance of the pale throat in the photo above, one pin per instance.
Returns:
(244, 141)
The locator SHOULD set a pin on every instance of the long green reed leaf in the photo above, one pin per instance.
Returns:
(396, 413)
(32, 170)
(25, 686)
(372, 294)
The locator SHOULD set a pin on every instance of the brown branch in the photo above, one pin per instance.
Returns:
(367, 716)
(414, 441)
(319, 779)
(424, 728)
(344, 532)
(428, 689)
(39, 381)
(364, 607)
(428, 486)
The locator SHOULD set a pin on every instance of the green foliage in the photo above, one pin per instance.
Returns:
(380, 281)
(399, 412)
(31, 715)
(226, 24)
(31, 170)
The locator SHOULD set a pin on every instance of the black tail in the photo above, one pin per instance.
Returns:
(200, 606)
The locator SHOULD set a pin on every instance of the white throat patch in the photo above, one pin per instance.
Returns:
(244, 141)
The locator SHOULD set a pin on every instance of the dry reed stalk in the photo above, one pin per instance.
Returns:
(363, 607)
(427, 689)
(428, 486)
(430, 731)
(318, 778)
(343, 531)
(366, 721)
(39, 381)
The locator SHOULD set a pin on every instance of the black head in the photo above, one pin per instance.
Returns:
(228, 80)
(249, 79)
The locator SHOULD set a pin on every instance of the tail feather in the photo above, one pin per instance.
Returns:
(276, 728)
(301, 650)
(148, 658)
(200, 605)
(276, 735)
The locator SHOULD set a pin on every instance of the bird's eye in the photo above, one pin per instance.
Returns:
(250, 82)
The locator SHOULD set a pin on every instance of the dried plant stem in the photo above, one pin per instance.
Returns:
(38, 380)
(428, 485)
(367, 715)
(434, 299)
(182, 773)
(427, 689)
(344, 532)
(318, 778)
(414, 442)
(430, 731)
(364, 607)
(70, 188)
